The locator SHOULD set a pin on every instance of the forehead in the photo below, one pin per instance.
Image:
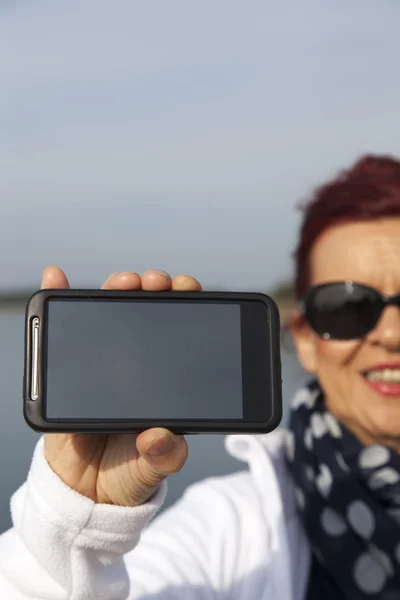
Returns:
(367, 252)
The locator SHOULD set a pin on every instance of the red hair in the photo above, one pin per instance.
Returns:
(370, 189)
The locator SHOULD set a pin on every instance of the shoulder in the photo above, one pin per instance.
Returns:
(265, 456)
(238, 524)
(265, 486)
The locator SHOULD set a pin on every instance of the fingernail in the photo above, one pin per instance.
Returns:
(161, 446)
(163, 273)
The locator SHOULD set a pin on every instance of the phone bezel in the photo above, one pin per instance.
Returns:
(262, 387)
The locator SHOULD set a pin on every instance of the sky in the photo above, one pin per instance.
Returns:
(181, 135)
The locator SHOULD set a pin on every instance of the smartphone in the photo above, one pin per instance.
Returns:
(123, 361)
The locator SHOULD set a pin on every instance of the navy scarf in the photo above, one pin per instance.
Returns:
(348, 497)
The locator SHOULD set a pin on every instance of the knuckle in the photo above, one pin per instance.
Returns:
(147, 476)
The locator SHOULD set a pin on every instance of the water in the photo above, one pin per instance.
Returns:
(207, 455)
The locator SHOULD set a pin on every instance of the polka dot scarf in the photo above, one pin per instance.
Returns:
(348, 497)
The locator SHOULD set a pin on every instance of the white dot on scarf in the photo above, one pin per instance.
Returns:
(300, 398)
(308, 440)
(290, 445)
(305, 397)
(301, 501)
(332, 522)
(312, 398)
(385, 476)
(374, 456)
(332, 425)
(324, 481)
(340, 461)
(317, 425)
(361, 519)
(369, 575)
(383, 559)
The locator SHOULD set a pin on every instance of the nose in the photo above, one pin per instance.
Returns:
(387, 330)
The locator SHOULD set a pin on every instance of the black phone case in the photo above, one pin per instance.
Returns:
(33, 410)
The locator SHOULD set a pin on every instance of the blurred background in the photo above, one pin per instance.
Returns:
(180, 136)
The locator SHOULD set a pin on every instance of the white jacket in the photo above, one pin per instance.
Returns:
(235, 537)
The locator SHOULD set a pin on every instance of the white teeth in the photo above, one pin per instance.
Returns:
(387, 375)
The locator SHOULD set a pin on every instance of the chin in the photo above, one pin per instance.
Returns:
(383, 424)
(377, 413)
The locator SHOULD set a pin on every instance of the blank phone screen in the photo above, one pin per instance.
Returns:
(143, 360)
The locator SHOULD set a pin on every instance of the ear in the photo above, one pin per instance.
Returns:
(304, 339)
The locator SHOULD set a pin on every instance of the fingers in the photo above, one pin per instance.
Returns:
(122, 281)
(162, 452)
(186, 283)
(54, 278)
(151, 280)
(156, 281)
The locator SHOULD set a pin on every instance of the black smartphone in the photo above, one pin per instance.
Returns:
(122, 361)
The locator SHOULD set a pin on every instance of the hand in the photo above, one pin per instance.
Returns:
(120, 469)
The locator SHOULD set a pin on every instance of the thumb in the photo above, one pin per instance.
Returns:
(161, 453)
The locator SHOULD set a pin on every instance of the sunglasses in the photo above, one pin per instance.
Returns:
(344, 310)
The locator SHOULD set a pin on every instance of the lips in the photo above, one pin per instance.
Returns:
(384, 378)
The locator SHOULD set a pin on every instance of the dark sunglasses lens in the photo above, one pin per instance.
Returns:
(343, 311)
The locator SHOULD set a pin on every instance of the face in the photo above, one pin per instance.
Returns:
(367, 253)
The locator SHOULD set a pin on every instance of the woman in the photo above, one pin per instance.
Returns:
(317, 512)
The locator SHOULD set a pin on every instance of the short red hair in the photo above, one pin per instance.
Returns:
(370, 189)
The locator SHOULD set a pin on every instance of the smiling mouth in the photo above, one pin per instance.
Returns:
(387, 375)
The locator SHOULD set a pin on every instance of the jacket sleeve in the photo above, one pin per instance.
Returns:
(65, 547)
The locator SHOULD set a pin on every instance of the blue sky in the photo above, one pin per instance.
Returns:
(180, 135)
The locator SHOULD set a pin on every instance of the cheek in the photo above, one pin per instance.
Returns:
(334, 353)
(335, 373)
